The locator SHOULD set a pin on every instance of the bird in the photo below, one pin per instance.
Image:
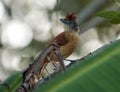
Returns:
(67, 40)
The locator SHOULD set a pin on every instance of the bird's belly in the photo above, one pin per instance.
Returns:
(68, 48)
(65, 50)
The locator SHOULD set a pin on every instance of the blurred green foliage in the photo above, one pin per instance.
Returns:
(12, 83)
(113, 16)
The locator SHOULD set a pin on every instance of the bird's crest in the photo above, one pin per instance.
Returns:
(71, 16)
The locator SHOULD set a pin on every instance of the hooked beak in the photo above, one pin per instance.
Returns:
(64, 21)
(72, 24)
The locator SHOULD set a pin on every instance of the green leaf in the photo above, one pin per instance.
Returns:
(109, 14)
(12, 83)
(115, 21)
(97, 72)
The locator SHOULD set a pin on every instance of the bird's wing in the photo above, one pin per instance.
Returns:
(60, 39)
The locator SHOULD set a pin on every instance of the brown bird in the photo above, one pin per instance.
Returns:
(67, 40)
(63, 44)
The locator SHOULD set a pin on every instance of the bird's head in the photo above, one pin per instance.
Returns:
(70, 20)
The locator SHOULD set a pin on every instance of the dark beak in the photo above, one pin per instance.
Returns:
(72, 24)
(64, 21)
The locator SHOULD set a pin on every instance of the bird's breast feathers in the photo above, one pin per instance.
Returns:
(71, 45)
(67, 41)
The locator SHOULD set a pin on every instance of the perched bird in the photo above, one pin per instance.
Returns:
(67, 40)
(63, 44)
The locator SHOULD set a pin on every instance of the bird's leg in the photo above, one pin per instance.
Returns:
(47, 72)
(60, 58)
(54, 64)
(49, 76)
(58, 54)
